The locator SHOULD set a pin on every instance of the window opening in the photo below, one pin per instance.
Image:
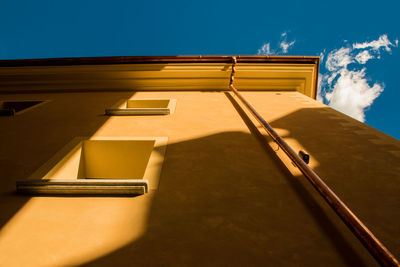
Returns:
(100, 166)
(142, 107)
(10, 108)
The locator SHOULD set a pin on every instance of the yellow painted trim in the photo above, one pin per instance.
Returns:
(166, 76)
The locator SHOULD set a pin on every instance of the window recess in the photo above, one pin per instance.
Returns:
(100, 166)
(11, 108)
(142, 107)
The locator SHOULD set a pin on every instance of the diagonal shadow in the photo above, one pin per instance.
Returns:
(338, 240)
(240, 208)
(30, 140)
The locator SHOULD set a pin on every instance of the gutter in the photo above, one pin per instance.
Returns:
(156, 59)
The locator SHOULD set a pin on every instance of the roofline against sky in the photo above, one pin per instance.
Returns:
(157, 59)
(71, 61)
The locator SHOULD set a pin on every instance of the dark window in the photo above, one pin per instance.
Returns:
(9, 108)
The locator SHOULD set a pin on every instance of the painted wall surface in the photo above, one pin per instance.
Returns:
(225, 198)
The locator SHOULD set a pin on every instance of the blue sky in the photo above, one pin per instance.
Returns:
(45, 29)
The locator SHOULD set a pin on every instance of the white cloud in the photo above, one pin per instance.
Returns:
(339, 59)
(364, 56)
(285, 46)
(321, 84)
(383, 41)
(321, 56)
(345, 86)
(265, 49)
(351, 93)
(331, 77)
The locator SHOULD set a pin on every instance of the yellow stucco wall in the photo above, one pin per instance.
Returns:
(224, 197)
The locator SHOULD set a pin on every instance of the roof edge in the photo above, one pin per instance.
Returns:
(156, 59)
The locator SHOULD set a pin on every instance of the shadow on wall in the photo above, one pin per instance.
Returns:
(222, 201)
(30, 139)
(223, 209)
(244, 210)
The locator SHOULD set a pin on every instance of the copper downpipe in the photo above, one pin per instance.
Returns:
(367, 238)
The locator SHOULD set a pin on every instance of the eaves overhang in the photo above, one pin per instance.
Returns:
(288, 73)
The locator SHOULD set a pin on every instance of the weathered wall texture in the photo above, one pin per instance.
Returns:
(224, 199)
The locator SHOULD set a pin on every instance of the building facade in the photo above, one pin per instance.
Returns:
(214, 189)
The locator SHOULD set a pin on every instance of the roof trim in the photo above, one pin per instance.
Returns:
(156, 59)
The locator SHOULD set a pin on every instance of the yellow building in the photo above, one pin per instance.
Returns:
(156, 161)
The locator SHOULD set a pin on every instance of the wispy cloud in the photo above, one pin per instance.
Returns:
(364, 56)
(338, 59)
(345, 86)
(284, 43)
(284, 46)
(383, 41)
(265, 50)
